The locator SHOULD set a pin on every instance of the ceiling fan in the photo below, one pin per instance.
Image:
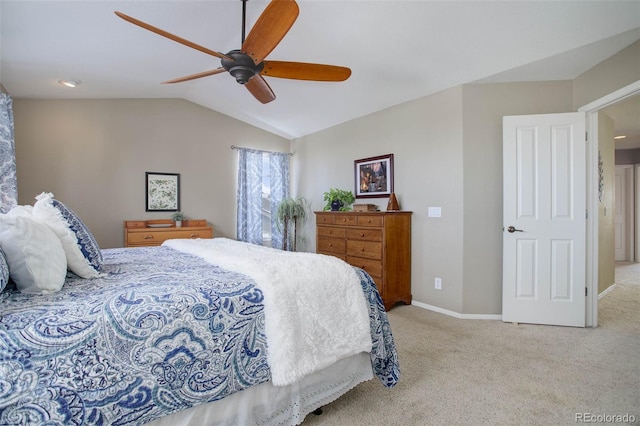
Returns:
(248, 63)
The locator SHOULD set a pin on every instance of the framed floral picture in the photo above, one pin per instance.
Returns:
(374, 176)
(163, 192)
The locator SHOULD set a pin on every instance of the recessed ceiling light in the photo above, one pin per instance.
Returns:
(69, 83)
(619, 137)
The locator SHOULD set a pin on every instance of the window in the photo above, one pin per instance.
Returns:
(263, 181)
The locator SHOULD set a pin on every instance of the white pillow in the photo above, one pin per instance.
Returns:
(36, 259)
(84, 257)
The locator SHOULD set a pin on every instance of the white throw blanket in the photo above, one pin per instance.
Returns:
(314, 307)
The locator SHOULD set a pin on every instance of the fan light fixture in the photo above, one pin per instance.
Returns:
(69, 83)
(248, 64)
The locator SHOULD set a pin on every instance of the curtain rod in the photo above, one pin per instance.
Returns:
(261, 150)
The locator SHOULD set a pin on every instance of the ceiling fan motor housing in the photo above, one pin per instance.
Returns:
(241, 66)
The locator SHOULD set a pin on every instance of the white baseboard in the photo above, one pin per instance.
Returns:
(607, 291)
(456, 314)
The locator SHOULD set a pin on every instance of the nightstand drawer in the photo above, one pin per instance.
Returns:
(366, 249)
(155, 232)
(332, 245)
(157, 238)
(364, 234)
(373, 267)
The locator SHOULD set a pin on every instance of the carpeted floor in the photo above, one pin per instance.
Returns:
(474, 372)
(627, 273)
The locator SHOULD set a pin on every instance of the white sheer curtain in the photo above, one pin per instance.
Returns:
(8, 180)
(252, 199)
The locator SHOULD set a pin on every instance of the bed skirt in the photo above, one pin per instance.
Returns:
(265, 404)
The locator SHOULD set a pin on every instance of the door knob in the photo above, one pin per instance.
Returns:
(513, 229)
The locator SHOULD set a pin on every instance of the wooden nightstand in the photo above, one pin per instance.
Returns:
(138, 233)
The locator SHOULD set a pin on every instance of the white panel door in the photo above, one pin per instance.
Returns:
(620, 214)
(544, 208)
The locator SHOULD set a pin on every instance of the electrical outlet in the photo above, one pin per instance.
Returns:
(438, 283)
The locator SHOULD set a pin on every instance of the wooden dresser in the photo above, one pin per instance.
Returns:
(138, 233)
(378, 242)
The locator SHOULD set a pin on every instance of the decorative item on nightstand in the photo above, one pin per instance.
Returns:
(178, 217)
(392, 205)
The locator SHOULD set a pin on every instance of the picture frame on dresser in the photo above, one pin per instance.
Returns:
(374, 176)
(162, 192)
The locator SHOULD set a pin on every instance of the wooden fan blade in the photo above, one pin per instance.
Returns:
(260, 89)
(194, 76)
(170, 36)
(271, 27)
(305, 71)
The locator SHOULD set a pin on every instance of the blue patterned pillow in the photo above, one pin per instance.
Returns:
(84, 257)
(4, 270)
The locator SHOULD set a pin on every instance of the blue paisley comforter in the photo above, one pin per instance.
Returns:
(159, 332)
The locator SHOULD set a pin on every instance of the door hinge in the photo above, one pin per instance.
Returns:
(586, 214)
(586, 136)
(586, 291)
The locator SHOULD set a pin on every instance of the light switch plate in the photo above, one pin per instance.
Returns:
(435, 212)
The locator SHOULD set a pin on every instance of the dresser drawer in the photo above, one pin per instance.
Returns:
(367, 249)
(347, 220)
(326, 231)
(324, 219)
(332, 245)
(364, 234)
(367, 220)
(373, 267)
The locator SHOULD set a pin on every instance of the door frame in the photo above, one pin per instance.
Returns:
(591, 109)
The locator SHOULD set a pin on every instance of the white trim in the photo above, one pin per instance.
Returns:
(456, 314)
(591, 110)
(607, 291)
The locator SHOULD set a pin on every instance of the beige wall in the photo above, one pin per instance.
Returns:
(93, 155)
(425, 137)
(448, 153)
(627, 156)
(484, 107)
(606, 234)
(616, 72)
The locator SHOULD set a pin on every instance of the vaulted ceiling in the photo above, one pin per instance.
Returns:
(397, 51)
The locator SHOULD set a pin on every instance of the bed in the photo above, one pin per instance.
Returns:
(192, 332)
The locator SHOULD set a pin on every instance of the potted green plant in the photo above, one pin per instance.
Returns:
(338, 200)
(178, 217)
(291, 213)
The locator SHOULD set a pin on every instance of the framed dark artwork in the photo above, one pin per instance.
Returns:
(374, 176)
(162, 191)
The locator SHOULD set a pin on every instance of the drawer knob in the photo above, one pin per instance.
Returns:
(362, 235)
(148, 237)
(362, 249)
(194, 235)
(369, 221)
(330, 244)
